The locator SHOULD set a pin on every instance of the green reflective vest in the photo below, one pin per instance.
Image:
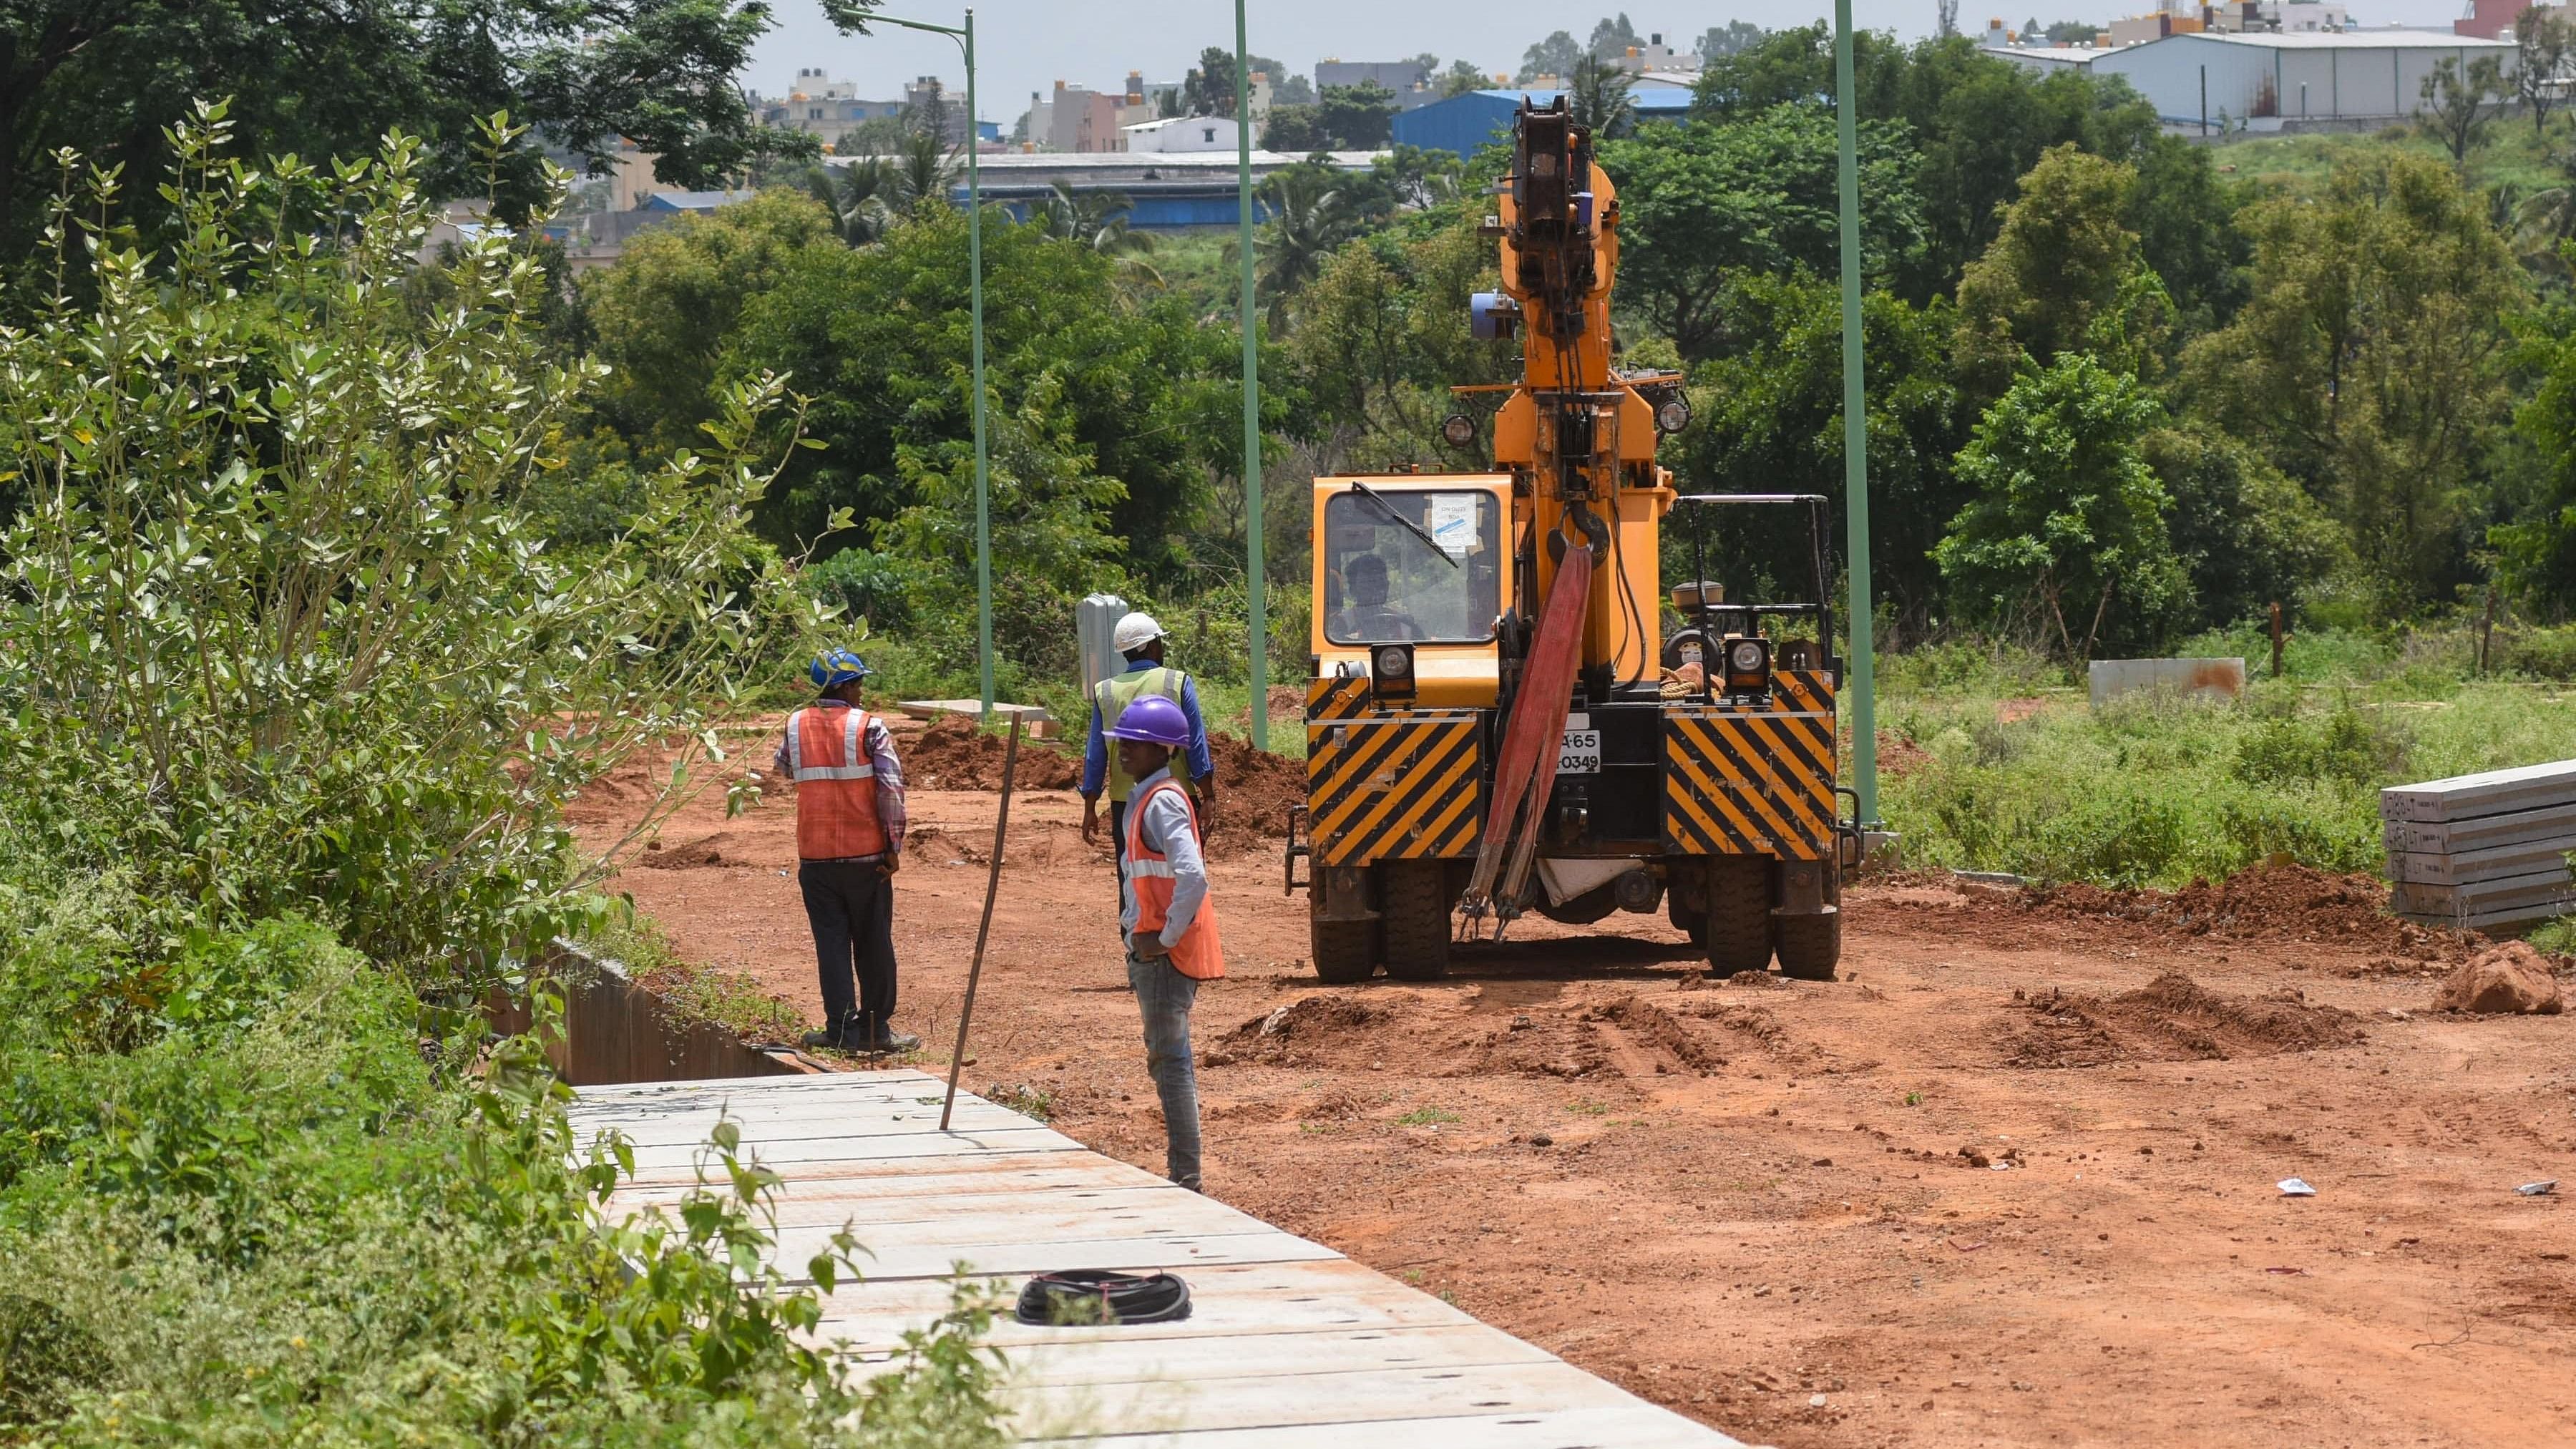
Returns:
(1112, 696)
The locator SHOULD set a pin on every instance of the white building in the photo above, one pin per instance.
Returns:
(2266, 79)
(1182, 133)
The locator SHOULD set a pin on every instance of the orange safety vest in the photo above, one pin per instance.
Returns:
(1197, 954)
(836, 784)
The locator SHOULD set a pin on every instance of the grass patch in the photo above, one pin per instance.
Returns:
(2154, 792)
(690, 992)
(1426, 1117)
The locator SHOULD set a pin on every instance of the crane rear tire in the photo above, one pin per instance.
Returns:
(1415, 908)
(1810, 946)
(1738, 928)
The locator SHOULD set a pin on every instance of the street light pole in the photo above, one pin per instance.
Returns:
(965, 38)
(1864, 702)
(1260, 620)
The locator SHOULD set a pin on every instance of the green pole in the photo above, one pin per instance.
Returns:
(1863, 681)
(1260, 623)
(975, 305)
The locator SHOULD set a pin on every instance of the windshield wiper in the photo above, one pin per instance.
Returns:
(1416, 529)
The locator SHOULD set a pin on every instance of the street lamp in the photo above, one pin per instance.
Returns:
(965, 38)
(1864, 713)
(1260, 621)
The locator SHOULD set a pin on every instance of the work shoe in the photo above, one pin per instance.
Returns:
(890, 1041)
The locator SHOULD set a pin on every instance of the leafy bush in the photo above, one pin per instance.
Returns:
(294, 701)
(271, 601)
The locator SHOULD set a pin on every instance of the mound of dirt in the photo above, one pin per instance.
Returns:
(1308, 1019)
(954, 754)
(706, 850)
(1254, 790)
(2511, 979)
(2277, 903)
(2173, 1018)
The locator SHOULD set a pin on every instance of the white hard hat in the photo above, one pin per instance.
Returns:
(1135, 632)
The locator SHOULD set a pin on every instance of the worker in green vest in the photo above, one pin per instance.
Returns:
(1140, 639)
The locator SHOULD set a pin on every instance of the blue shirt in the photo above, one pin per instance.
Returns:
(1095, 749)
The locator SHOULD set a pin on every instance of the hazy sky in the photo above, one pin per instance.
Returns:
(1031, 44)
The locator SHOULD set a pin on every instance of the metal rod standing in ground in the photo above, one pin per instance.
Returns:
(992, 887)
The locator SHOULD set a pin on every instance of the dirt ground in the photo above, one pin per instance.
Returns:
(2010, 1181)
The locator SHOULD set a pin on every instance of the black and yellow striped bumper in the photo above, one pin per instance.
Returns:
(1744, 781)
(1392, 785)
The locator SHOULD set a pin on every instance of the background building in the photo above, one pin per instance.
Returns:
(1171, 134)
(1466, 123)
(2271, 80)
(1409, 79)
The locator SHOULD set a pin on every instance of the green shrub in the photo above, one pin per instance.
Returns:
(2540, 653)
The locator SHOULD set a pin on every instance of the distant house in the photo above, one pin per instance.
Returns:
(703, 203)
(1465, 123)
(1410, 80)
(1182, 133)
(2269, 81)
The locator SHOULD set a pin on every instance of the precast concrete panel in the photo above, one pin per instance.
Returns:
(2308, 89)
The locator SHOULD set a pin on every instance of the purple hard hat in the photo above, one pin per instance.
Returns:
(1154, 720)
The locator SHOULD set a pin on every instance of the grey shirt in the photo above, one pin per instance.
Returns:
(1168, 831)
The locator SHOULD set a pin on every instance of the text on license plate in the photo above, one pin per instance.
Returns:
(1579, 752)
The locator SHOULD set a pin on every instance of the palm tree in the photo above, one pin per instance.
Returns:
(859, 196)
(925, 167)
(1308, 223)
(1600, 99)
(1098, 220)
(2545, 220)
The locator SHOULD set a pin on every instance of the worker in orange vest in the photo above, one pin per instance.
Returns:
(1168, 919)
(849, 844)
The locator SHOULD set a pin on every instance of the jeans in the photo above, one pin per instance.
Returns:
(1165, 996)
(851, 909)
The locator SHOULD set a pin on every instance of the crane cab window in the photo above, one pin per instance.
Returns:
(1417, 566)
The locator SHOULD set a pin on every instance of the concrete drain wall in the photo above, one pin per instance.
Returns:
(618, 1031)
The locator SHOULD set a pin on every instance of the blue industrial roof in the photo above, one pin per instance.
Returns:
(1463, 123)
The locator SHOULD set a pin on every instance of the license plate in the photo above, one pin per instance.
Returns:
(1579, 752)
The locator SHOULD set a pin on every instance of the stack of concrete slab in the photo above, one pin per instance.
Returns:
(2485, 851)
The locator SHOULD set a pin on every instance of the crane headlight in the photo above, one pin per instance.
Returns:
(1748, 666)
(1673, 416)
(1391, 671)
(1458, 430)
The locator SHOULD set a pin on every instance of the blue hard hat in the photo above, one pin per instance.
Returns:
(839, 667)
(1153, 720)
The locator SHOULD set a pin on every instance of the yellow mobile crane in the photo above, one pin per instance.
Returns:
(1492, 724)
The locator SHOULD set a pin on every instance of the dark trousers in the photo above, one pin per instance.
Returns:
(851, 908)
(1118, 836)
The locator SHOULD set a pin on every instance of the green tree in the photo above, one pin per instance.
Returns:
(340, 678)
(2185, 218)
(2248, 537)
(1294, 130)
(1611, 37)
(1208, 89)
(663, 314)
(2536, 550)
(2455, 103)
(1732, 38)
(2064, 273)
(2065, 518)
(1702, 205)
(1460, 78)
(1768, 418)
(1382, 335)
(1554, 56)
(1357, 118)
(862, 197)
(878, 340)
(1976, 122)
(110, 77)
(2543, 39)
(2368, 362)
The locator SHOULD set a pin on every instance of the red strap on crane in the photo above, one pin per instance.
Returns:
(1527, 768)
